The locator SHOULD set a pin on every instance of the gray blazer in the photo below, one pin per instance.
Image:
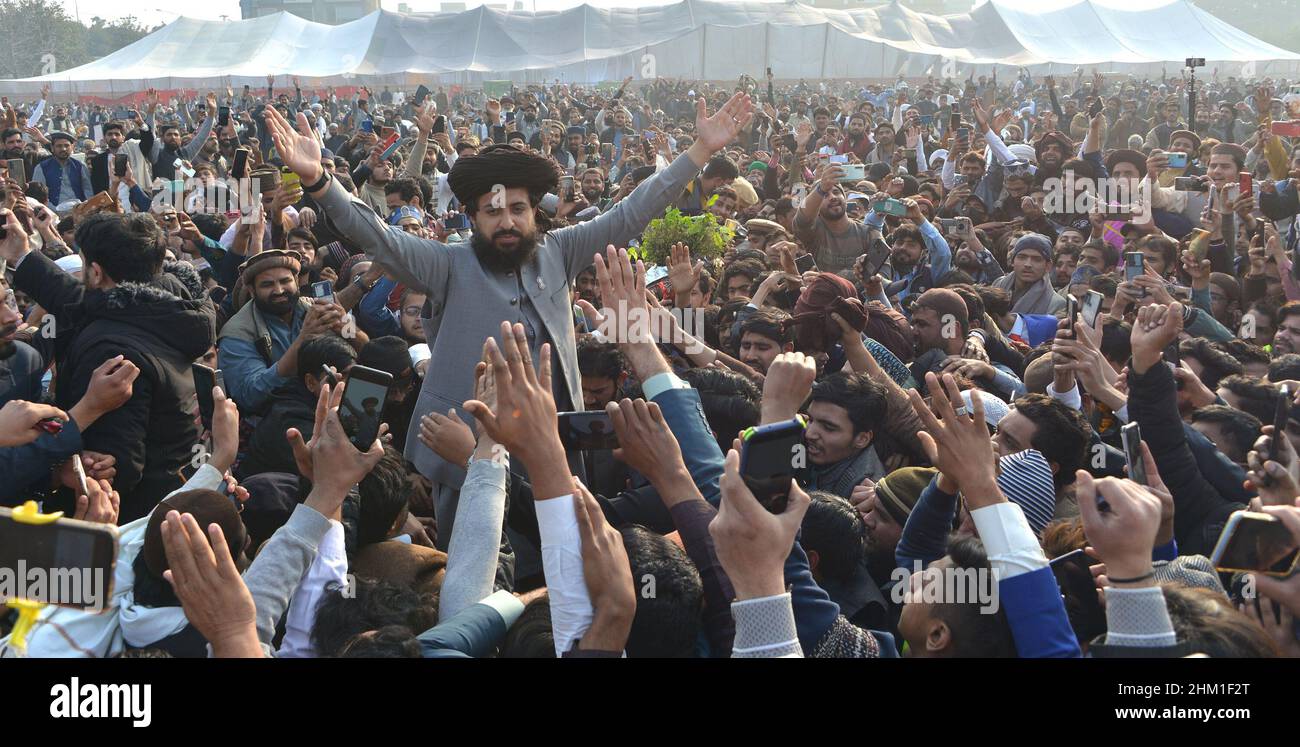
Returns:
(472, 301)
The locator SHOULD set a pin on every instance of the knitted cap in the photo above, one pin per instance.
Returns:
(1033, 242)
(994, 408)
(1026, 480)
(899, 490)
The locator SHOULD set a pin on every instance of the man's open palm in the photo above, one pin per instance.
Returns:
(717, 131)
(299, 150)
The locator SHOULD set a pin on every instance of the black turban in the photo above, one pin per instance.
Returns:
(474, 176)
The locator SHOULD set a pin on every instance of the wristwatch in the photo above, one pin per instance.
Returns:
(318, 184)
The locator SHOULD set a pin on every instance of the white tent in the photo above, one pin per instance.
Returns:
(694, 39)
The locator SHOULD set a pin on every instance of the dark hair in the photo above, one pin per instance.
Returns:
(299, 232)
(213, 226)
(667, 622)
(973, 633)
(9, 132)
(1116, 340)
(1206, 623)
(1241, 429)
(1167, 247)
(749, 268)
(997, 302)
(1106, 284)
(325, 350)
(1243, 351)
(344, 614)
(382, 498)
(858, 394)
(114, 126)
(905, 232)
(769, 323)
(1061, 434)
(1215, 364)
(731, 402)
(721, 166)
(531, 637)
(1284, 367)
(1258, 397)
(974, 302)
(833, 529)
(129, 248)
(602, 359)
(404, 186)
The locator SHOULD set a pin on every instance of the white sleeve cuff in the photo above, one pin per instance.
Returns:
(660, 383)
(507, 605)
(1070, 399)
(1008, 540)
(571, 610)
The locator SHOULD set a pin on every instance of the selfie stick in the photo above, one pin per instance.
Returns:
(28, 513)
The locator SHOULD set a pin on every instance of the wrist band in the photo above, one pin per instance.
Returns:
(1131, 580)
(319, 183)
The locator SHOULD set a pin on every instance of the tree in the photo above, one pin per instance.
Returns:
(36, 32)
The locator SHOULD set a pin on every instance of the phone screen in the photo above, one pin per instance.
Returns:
(204, 380)
(76, 556)
(223, 116)
(1092, 308)
(239, 169)
(1133, 265)
(119, 164)
(1131, 435)
(362, 408)
(587, 431)
(1255, 542)
(322, 289)
(805, 262)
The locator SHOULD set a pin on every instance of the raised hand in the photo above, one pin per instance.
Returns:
(524, 419)
(607, 573)
(299, 149)
(18, 421)
(207, 582)
(956, 439)
(713, 133)
(1121, 520)
(99, 504)
(1154, 329)
(751, 542)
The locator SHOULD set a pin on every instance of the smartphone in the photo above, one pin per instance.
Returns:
(457, 222)
(950, 224)
(1199, 244)
(890, 207)
(927, 120)
(239, 169)
(18, 172)
(769, 72)
(1083, 608)
(1131, 435)
(835, 158)
(367, 125)
(1255, 542)
(954, 122)
(439, 124)
(1134, 267)
(83, 552)
(1177, 160)
(853, 172)
(790, 143)
(1094, 108)
(1092, 307)
(589, 430)
(421, 93)
(655, 274)
(205, 379)
(362, 408)
(119, 165)
(79, 470)
(768, 458)
(385, 133)
(52, 426)
(1245, 184)
(805, 262)
(223, 116)
(322, 289)
(288, 179)
(1281, 416)
(566, 188)
(607, 150)
(1285, 129)
(963, 134)
(390, 145)
(1071, 313)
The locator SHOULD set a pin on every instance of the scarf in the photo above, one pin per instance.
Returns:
(1040, 298)
(841, 477)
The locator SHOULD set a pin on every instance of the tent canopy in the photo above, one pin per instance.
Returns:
(695, 39)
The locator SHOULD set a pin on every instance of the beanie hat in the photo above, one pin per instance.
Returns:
(899, 490)
(1032, 242)
(1026, 480)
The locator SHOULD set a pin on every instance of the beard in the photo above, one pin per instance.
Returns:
(499, 259)
(832, 211)
(593, 196)
(279, 305)
(7, 347)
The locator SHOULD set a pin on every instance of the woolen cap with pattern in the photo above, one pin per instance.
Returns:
(1026, 480)
(269, 260)
(899, 490)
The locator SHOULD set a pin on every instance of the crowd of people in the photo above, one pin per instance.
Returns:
(930, 280)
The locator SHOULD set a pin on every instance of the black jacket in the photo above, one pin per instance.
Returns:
(163, 328)
(1200, 509)
(290, 406)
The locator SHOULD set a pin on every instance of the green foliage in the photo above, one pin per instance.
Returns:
(32, 29)
(702, 233)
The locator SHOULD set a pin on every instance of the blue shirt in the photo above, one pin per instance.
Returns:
(248, 379)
